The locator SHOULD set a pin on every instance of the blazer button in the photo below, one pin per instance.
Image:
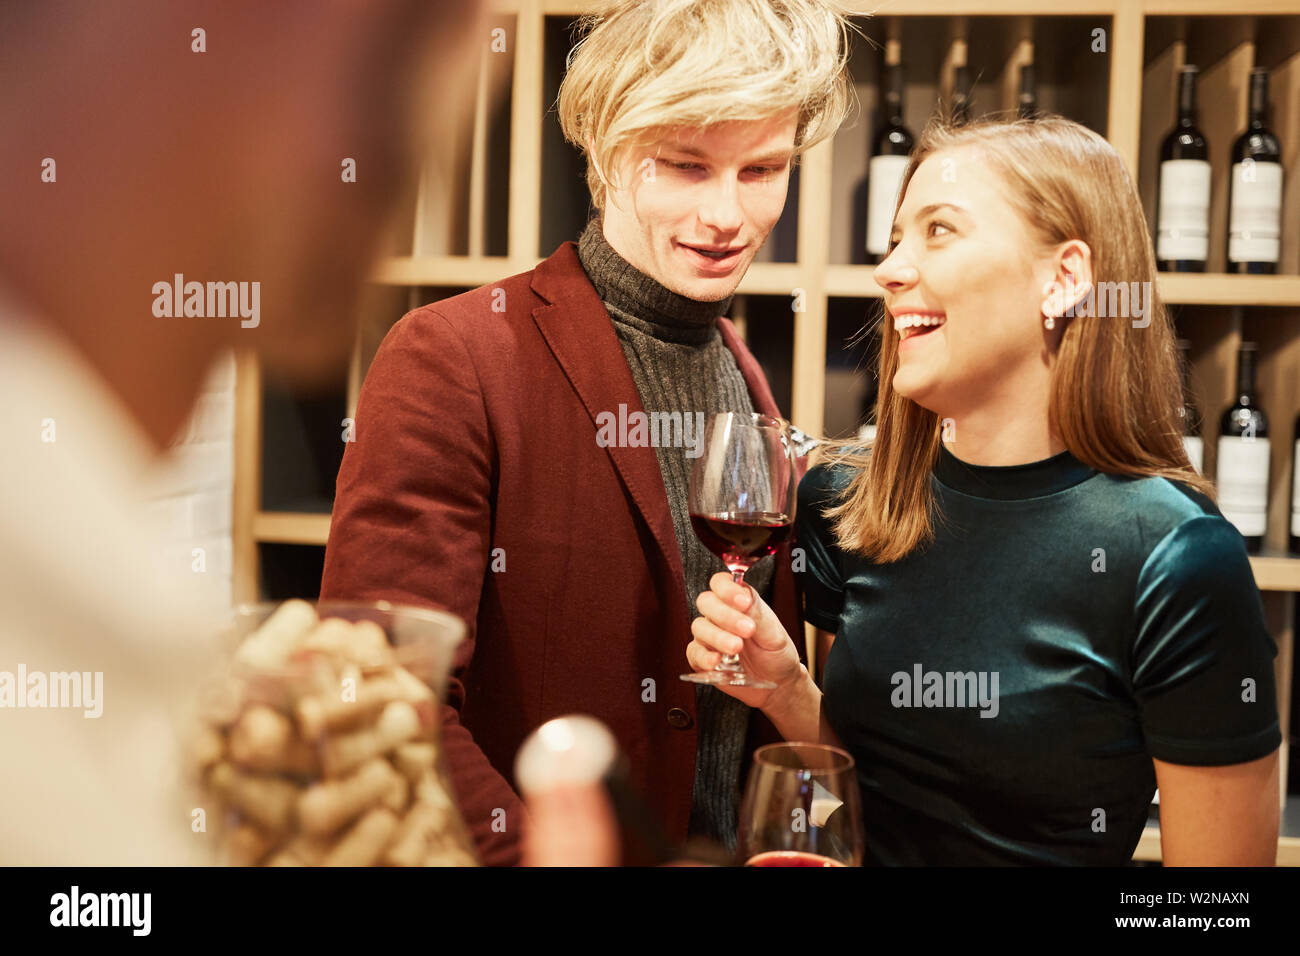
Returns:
(680, 719)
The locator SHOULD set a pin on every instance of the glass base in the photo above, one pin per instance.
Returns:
(729, 679)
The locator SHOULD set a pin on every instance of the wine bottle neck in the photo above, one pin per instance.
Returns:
(1246, 379)
(1187, 99)
(894, 94)
(894, 110)
(1258, 99)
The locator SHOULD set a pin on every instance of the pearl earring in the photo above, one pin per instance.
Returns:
(1049, 323)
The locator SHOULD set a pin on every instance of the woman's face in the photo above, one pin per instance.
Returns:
(962, 261)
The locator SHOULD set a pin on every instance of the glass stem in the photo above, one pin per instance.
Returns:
(731, 662)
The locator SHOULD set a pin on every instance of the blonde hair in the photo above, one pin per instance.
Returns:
(645, 65)
(1116, 390)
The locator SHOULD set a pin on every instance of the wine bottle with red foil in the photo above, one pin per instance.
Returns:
(1027, 99)
(1255, 203)
(1188, 413)
(1183, 194)
(1243, 456)
(893, 144)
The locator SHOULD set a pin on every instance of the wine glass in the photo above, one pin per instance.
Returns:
(801, 808)
(741, 500)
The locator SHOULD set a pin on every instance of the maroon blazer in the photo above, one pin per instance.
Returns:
(475, 431)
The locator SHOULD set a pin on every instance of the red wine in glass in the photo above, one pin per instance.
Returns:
(741, 501)
(742, 539)
(791, 858)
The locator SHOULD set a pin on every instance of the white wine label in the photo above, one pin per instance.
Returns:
(1183, 220)
(1295, 491)
(1243, 482)
(1195, 451)
(1255, 219)
(884, 179)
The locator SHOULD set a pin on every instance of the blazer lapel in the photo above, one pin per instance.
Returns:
(581, 336)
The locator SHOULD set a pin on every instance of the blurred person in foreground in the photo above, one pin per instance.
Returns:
(131, 156)
(487, 475)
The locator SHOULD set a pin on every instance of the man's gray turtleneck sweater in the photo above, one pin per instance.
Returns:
(680, 364)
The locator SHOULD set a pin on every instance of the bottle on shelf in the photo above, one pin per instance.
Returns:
(1243, 456)
(892, 146)
(1190, 417)
(1295, 491)
(1027, 99)
(961, 96)
(1183, 194)
(1255, 206)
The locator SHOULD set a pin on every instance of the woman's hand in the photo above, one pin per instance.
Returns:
(736, 620)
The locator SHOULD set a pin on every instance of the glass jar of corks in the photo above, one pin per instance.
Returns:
(318, 742)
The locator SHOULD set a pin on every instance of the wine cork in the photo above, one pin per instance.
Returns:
(206, 749)
(411, 842)
(324, 807)
(417, 693)
(332, 636)
(308, 850)
(333, 710)
(431, 790)
(398, 794)
(221, 701)
(246, 845)
(414, 759)
(370, 644)
(271, 644)
(264, 739)
(450, 831)
(397, 724)
(267, 801)
(365, 842)
(260, 737)
(449, 856)
(414, 690)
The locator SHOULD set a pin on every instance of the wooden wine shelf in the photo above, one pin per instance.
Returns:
(455, 271)
(848, 281)
(1272, 572)
(1181, 289)
(284, 527)
(1220, 289)
(1276, 573)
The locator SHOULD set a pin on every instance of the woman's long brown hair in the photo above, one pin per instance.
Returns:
(1116, 390)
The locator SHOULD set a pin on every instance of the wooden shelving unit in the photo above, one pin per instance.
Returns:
(526, 194)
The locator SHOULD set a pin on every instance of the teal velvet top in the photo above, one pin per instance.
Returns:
(1004, 690)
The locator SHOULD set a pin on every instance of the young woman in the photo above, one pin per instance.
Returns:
(1038, 613)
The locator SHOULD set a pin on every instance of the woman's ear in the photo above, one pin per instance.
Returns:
(1071, 281)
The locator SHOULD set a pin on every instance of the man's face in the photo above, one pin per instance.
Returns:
(697, 204)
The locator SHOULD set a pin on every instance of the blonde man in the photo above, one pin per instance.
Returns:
(498, 468)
